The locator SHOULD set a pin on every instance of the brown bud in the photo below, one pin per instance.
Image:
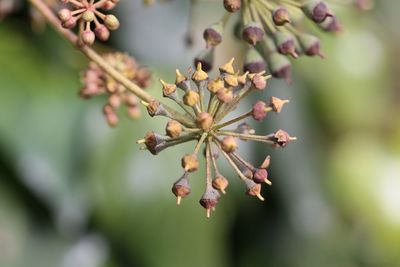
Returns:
(209, 199)
(280, 16)
(181, 188)
(204, 121)
(220, 183)
(253, 33)
(154, 142)
(173, 129)
(190, 163)
(155, 108)
(253, 189)
(232, 5)
(281, 138)
(261, 176)
(168, 88)
(277, 104)
(229, 144)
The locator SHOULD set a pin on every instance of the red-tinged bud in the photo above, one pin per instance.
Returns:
(280, 16)
(254, 62)
(88, 37)
(181, 188)
(310, 45)
(155, 108)
(331, 24)
(108, 5)
(225, 95)
(253, 189)
(114, 101)
(68, 24)
(220, 183)
(133, 112)
(261, 176)
(229, 144)
(213, 34)
(317, 10)
(173, 129)
(111, 117)
(281, 138)
(111, 22)
(232, 5)
(64, 14)
(204, 121)
(259, 111)
(280, 66)
(285, 43)
(253, 33)
(190, 163)
(259, 81)
(102, 33)
(209, 199)
(206, 58)
(130, 100)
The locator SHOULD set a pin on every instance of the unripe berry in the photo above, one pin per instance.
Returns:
(111, 22)
(64, 14)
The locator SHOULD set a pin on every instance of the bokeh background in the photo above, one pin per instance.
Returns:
(74, 192)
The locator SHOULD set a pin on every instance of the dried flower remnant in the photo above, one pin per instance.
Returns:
(204, 122)
(274, 29)
(91, 21)
(97, 82)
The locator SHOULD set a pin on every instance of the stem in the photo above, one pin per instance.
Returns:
(234, 120)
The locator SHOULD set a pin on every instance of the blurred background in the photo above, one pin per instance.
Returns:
(74, 192)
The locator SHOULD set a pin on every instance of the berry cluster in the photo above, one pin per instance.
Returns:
(203, 122)
(97, 82)
(85, 13)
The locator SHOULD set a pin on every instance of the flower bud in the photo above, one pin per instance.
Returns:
(231, 80)
(181, 80)
(114, 101)
(88, 37)
(215, 85)
(173, 129)
(199, 75)
(204, 121)
(281, 138)
(261, 176)
(209, 199)
(108, 5)
(155, 143)
(206, 59)
(280, 16)
(168, 88)
(181, 188)
(310, 45)
(155, 108)
(133, 112)
(220, 183)
(68, 24)
(232, 5)
(259, 81)
(191, 98)
(285, 43)
(88, 16)
(229, 144)
(259, 111)
(253, 33)
(227, 67)
(254, 62)
(280, 66)
(111, 22)
(64, 14)
(102, 33)
(190, 163)
(253, 189)
(111, 117)
(213, 34)
(225, 95)
(316, 10)
(277, 104)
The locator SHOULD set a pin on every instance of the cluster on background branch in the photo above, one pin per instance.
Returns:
(271, 28)
(274, 30)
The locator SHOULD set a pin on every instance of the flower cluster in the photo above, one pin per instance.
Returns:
(97, 82)
(273, 30)
(85, 13)
(204, 122)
